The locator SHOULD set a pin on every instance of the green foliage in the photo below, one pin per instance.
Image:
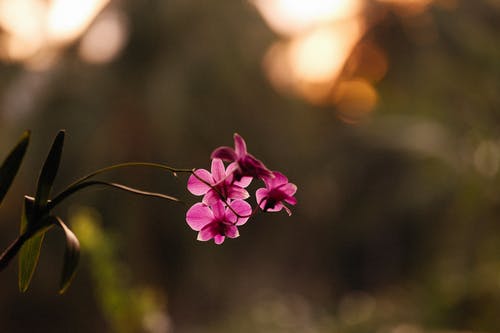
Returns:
(10, 166)
(30, 251)
(49, 172)
(71, 256)
(36, 218)
(113, 279)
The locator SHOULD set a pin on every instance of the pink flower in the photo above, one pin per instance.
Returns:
(247, 164)
(217, 221)
(218, 185)
(278, 190)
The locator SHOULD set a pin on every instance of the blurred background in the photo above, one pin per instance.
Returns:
(385, 113)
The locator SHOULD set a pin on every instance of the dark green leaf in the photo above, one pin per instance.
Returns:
(71, 256)
(30, 251)
(49, 172)
(11, 165)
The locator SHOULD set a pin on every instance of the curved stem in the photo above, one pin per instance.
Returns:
(83, 184)
(12, 250)
(77, 185)
(174, 171)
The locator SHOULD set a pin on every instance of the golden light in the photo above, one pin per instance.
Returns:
(18, 48)
(319, 56)
(310, 64)
(355, 100)
(23, 22)
(367, 61)
(105, 39)
(322, 35)
(68, 19)
(35, 31)
(290, 17)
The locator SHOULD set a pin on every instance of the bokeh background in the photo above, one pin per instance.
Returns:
(385, 113)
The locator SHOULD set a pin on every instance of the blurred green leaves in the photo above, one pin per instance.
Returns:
(35, 221)
(36, 217)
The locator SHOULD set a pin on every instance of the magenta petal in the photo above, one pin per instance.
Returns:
(237, 193)
(211, 197)
(218, 171)
(243, 182)
(291, 200)
(289, 189)
(277, 180)
(277, 207)
(198, 216)
(224, 153)
(196, 186)
(240, 207)
(232, 169)
(219, 239)
(261, 196)
(232, 231)
(239, 145)
(218, 209)
(207, 233)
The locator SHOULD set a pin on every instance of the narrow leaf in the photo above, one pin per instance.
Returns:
(71, 256)
(30, 251)
(49, 172)
(11, 165)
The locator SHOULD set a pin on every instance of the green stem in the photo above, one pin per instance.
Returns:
(83, 184)
(11, 251)
(174, 171)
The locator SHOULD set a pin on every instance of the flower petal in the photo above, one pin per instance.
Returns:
(277, 207)
(207, 233)
(218, 209)
(291, 200)
(211, 197)
(236, 192)
(198, 216)
(218, 171)
(197, 186)
(277, 180)
(239, 145)
(240, 207)
(224, 153)
(289, 189)
(261, 196)
(243, 182)
(232, 231)
(250, 166)
(219, 239)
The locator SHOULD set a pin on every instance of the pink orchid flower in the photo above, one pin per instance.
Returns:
(218, 185)
(247, 164)
(278, 190)
(217, 221)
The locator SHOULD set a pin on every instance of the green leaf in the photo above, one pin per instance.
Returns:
(49, 172)
(11, 165)
(71, 256)
(30, 251)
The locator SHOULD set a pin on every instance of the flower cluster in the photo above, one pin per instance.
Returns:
(223, 207)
